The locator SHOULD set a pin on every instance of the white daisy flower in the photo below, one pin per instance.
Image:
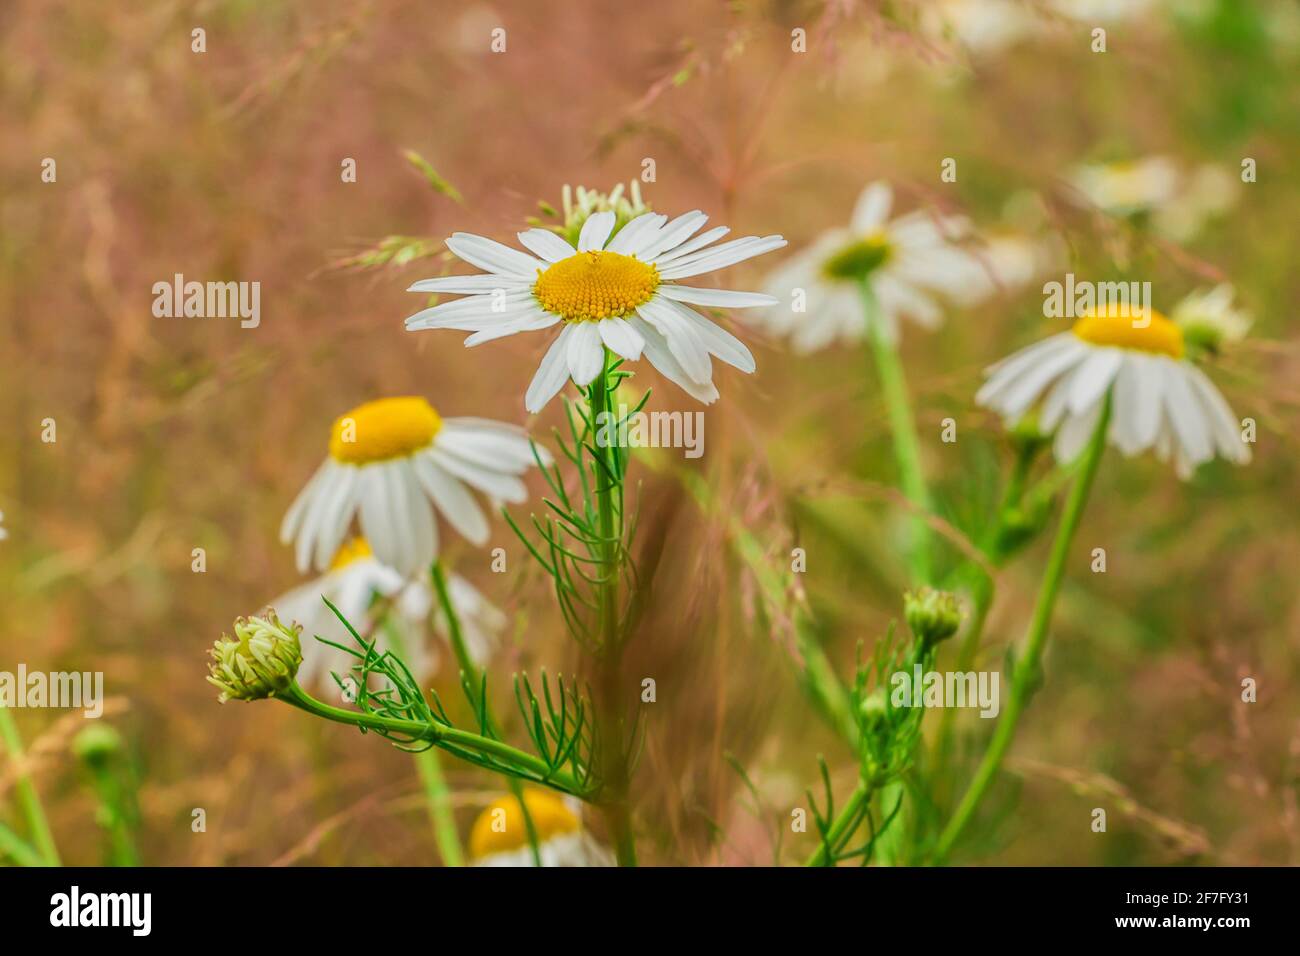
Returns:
(500, 835)
(391, 463)
(1160, 401)
(616, 290)
(1127, 188)
(906, 261)
(353, 581)
(1209, 319)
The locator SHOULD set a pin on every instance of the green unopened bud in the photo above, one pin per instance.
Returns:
(97, 744)
(261, 660)
(1027, 437)
(931, 615)
(874, 709)
(579, 204)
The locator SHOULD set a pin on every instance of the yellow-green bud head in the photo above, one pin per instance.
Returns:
(261, 660)
(932, 616)
(97, 744)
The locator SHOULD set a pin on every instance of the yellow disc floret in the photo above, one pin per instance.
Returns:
(501, 827)
(383, 429)
(353, 550)
(1129, 327)
(595, 285)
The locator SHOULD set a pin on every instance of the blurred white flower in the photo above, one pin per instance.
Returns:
(616, 290)
(391, 462)
(907, 262)
(983, 27)
(1179, 203)
(353, 582)
(500, 835)
(1209, 319)
(1160, 400)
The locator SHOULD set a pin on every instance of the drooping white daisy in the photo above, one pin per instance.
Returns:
(616, 290)
(1160, 400)
(391, 463)
(353, 581)
(906, 261)
(500, 835)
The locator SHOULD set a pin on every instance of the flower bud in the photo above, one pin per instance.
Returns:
(932, 616)
(97, 744)
(261, 660)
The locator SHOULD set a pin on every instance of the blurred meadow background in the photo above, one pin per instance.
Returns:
(176, 434)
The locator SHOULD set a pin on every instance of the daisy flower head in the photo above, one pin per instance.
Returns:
(1160, 400)
(499, 836)
(392, 463)
(354, 580)
(905, 261)
(611, 288)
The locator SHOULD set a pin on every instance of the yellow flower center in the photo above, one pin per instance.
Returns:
(501, 827)
(595, 285)
(354, 550)
(383, 429)
(858, 259)
(1128, 328)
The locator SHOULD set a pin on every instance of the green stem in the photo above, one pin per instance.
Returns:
(13, 846)
(472, 680)
(438, 735)
(441, 816)
(902, 426)
(841, 826)
(1027, 674)
(615, 772)
(42, 836)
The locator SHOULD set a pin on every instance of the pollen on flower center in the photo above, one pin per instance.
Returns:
(1127, 328)
(383, 429)
(858, 259)
(501, 828)
(595, 285)
(356, 549)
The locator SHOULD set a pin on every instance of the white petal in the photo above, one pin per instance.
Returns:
(872, 208)
(586, 352)
(546, 244)
(595, 231)
(421, 526)
(293, 517)
(490, 444)
(336, 515)
(377, 522)
(722, 298)
(492, 256)
(636, 234)
(472, 313)
(1074, 433)
(493, 483)
(453, 500)
(718, 340)
(621, 338)
(1185, 413)
(720, 257)
(1225, 426)
(1093, 378)
(551, 374)
(671, 235)
(661, 357)
(688, 247)
(531, 321)
(469, 285)
(682, 338)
